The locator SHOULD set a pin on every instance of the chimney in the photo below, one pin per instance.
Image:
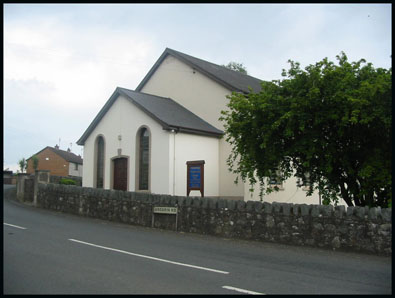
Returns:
(68, 150)
(56, 146)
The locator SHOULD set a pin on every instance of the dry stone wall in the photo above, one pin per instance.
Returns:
(348, 229)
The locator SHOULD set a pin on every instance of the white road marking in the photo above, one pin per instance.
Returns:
(242, 290)
(151, 258)
(7, 224)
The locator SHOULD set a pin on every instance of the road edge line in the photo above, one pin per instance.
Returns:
(149, 257)
(7, 224)
(242, 290)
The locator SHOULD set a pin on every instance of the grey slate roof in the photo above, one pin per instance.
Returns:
(68, 156)
(230, 79)
(167, 112)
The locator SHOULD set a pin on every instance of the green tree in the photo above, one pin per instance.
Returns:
(329, 125)
(22, 164)
(236, 67)
(35, 162)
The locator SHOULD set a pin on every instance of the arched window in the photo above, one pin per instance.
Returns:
(143, 159)
(99, 162)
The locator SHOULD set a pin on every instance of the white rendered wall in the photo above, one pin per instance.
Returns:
(125, 119)
(202, 96)
(289, 193)
(73, 172)
(190, 147)
(206, 98)
(88, 156)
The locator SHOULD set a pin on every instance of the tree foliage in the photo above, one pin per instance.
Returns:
(329, 125)
(22, 164)
(35, 161)
(236, 67)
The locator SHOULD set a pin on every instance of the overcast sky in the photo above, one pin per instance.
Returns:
(62, 62)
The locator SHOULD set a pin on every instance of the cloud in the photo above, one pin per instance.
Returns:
(57, 78)
(308, 33)
(62, 62)
(79, 64)
(11, 167)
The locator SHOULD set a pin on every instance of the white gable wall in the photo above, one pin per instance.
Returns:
(195, 91)
(125, 119)
(204, 97)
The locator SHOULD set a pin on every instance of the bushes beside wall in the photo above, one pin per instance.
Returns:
(58, 179)
(67, 181)
(353, 228)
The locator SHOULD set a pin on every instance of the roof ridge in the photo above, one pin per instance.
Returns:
(230, 79)
(74, 156)
(149, 94)
(137, 98)
(63, 150)
(172, 100)
(224, 67)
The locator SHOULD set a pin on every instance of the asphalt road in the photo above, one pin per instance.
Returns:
(47, 252)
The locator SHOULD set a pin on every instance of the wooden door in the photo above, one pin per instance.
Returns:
(121, 173)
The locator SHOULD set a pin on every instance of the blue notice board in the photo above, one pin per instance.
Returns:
(195, 177)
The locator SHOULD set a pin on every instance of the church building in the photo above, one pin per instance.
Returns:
(165, 136)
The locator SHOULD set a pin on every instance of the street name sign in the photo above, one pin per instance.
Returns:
(165, 210)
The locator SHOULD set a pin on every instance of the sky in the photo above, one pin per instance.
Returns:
(62, 62)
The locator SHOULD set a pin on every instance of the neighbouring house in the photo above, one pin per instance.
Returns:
(143, 139)
(58, 162)
(8, 177)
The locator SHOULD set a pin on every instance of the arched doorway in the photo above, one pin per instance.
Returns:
(121, 173)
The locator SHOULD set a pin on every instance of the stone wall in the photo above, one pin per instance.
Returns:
(340, 228)
(9, 192)
(29, 190)
(25, 187)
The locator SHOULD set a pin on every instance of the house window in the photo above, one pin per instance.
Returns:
(100, 162)
(76, 166)
(143, 159)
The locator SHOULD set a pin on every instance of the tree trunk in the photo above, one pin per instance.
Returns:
(345, 195)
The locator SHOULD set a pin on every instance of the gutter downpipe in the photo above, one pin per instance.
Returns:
(174, 160)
